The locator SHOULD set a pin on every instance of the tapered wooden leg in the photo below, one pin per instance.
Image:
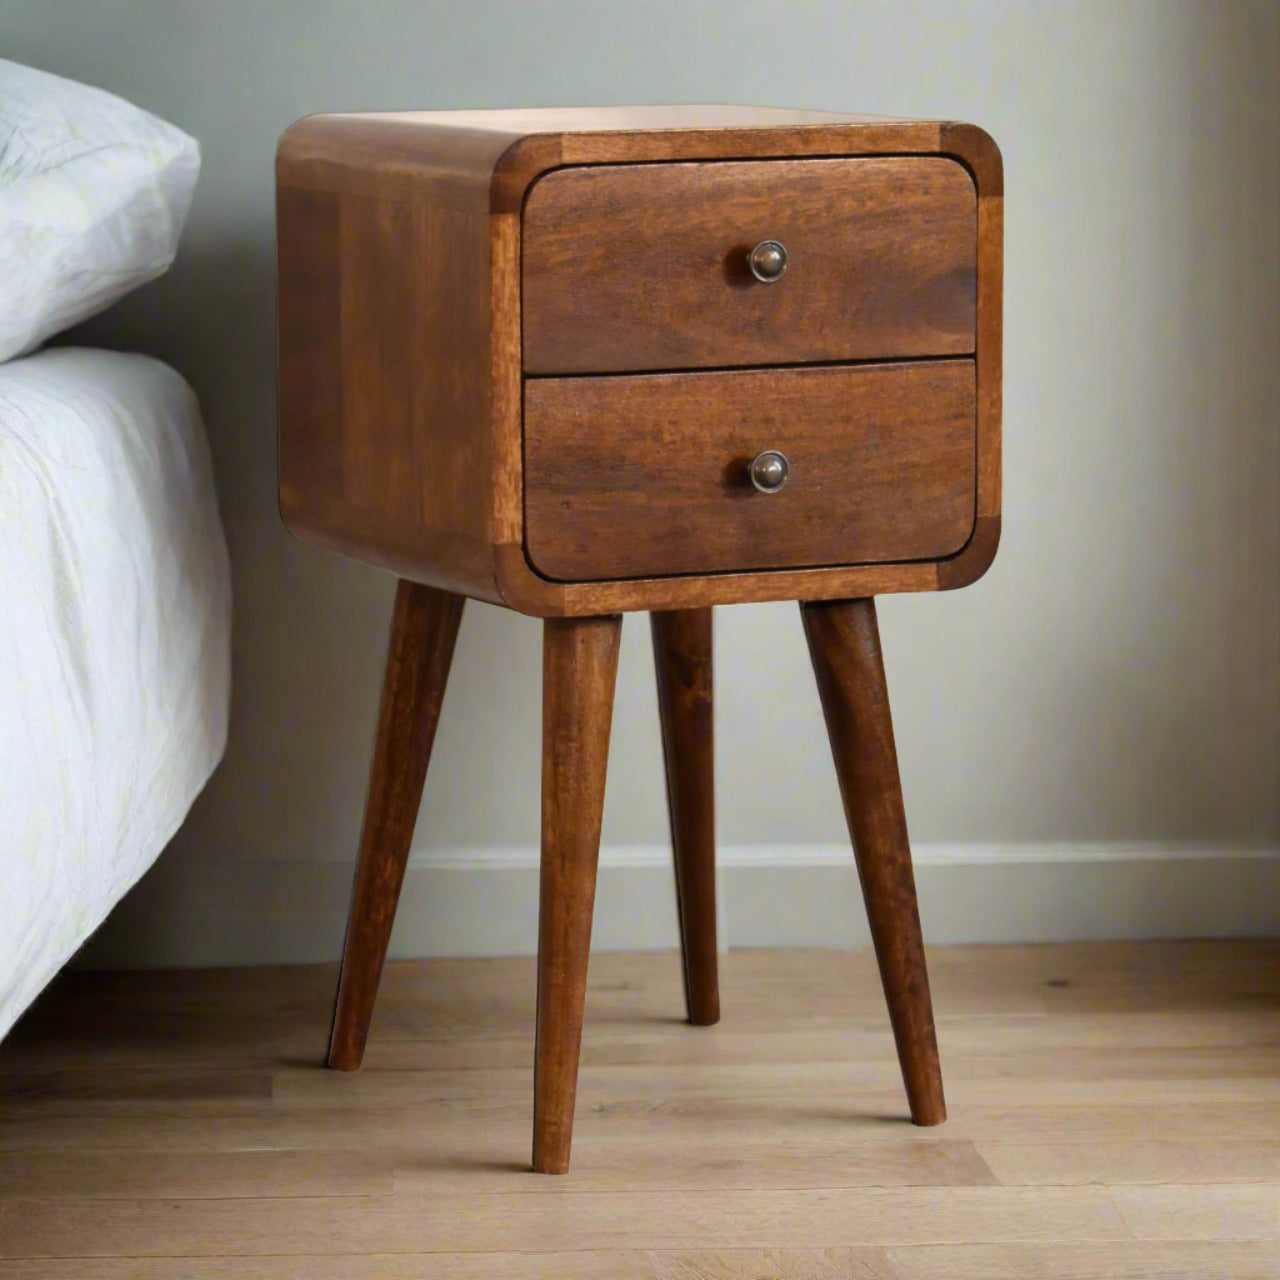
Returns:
(424, 627)
(682, 657)
(844, 642)
(579, 667)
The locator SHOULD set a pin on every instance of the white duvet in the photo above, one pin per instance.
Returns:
(115, 607)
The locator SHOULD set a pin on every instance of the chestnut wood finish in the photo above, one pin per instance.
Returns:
(632, 267)
(631, 476)
(682, 654)
(844, 642)
(424, 627)
(370, 449)
(579, 668)
(358, 196)
(522, 359)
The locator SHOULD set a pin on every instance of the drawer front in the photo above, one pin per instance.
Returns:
(635, 267)
(649, 475)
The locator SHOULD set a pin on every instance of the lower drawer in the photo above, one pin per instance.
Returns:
(633, 476)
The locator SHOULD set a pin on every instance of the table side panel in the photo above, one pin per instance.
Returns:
(385, 438)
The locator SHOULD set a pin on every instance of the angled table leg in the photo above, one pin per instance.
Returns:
(844, 643)
(682, 656)
(424, 627)
(579, 668)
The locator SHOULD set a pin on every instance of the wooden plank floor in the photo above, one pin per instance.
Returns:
(1115, 1112)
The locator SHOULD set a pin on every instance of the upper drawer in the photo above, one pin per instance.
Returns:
(639, 267)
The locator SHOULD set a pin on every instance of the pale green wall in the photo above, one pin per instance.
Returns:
(1115, 677)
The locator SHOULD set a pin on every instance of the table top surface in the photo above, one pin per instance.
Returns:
(535, 120)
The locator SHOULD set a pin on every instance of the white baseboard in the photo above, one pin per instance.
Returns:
(485, 902)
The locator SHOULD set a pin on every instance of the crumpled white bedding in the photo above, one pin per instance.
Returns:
(115, 611)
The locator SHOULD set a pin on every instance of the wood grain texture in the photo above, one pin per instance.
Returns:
(647, 475)
(580, 665)
(683, 660)
(1059, 1260)
(663, 1264)
(487, 159)
(974, 559)
(1202, 1212)
(405, 233)
(1085, 1260)
(507, 406)
(525, 591)
(635, 267)
(606, 1221)
(844, 642)
(376, 452)
(679, 1149)
(424, 628)
(444, 190)
(990, 353)
(1153, 1161)
(175, 1175)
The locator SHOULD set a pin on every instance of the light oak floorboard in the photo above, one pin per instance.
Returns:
(1202, 1212)
(1118, 1163)
(1058, 1261)
(877, 1084)
(599, 1220)
(653, 1125)
(730, 1264)
(1083, 1261)
(750, 1164)
(1114, 1112)
(185, 1175)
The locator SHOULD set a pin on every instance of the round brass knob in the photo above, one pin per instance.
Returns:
(770, 471)
(768, 260)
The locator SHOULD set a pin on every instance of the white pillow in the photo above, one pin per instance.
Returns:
(93, 195)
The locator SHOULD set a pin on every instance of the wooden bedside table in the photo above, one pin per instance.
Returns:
(586, 361)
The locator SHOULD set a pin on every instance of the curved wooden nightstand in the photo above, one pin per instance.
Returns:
(588, 361)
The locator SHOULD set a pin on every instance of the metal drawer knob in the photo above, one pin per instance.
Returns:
(768, 260)
(770, 471)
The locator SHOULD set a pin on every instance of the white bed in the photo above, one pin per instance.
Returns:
(115, 607)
